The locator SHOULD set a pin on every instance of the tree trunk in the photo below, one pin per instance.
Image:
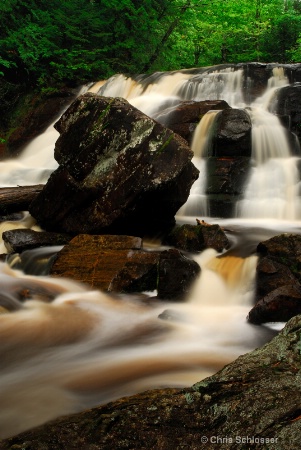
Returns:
(15, 199)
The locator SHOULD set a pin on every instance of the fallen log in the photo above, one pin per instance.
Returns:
(15, 199)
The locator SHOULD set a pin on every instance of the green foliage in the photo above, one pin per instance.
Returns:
(44, 42)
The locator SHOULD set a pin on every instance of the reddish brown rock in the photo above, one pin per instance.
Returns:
(119, 264)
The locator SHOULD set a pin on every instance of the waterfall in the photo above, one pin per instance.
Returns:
(224, 84)
(270, 191)
(85, 347)
(273, 188)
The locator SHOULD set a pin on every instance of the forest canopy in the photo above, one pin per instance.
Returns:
(44, 42)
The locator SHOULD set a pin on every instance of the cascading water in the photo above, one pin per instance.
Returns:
(85, 347)
(273, 188)
(197, 202)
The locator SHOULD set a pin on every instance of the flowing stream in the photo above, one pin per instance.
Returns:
(86, 347)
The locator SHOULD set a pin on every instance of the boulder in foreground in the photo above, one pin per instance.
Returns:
(120, 172)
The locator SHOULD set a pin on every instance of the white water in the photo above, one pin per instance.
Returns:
(273, 188)
(85, 347)
(197, 202)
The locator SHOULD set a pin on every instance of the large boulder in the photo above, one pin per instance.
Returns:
(252, 403)
(120, 172)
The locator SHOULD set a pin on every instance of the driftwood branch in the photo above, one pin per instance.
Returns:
(15, 199)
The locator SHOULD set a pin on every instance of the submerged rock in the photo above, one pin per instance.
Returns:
(120, 172)
(253, 402)
(195, 238)
(176, 274)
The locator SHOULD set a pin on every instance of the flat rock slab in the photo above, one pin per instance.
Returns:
(16, 241)
(119, 264)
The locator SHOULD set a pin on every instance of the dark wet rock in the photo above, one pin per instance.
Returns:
(226, 180)
(256, 76)
(232, 135)
(16, 241)
(196, 238)
(183, 118)
(279, 305)
(278, 280)
(176, 274)
(289, 103)
(271, 274)
(119, 264)
(253, 402)
(284, 249)
(120, 172)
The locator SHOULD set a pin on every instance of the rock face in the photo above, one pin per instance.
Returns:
(278, 280)
(119, 264)
(183, 118)
(253, 402)
(120, 172)
(226, 179)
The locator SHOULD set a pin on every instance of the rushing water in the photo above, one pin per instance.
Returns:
(86, 347)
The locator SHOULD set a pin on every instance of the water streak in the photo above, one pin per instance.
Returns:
(86, 348)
